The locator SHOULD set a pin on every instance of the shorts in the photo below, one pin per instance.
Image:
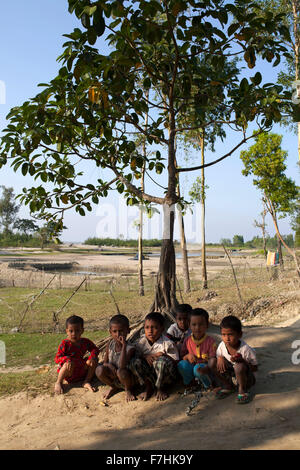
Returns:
(230, 374)
(162, 372)
(79, 371)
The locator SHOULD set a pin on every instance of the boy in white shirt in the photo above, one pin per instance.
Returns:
(235, 358)
(157, 365)
(178, 331)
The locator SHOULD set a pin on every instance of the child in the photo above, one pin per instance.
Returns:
(70, 356)
(156, 366)
(114, 371)
(235, 358)
(180, 330)
(198, 351)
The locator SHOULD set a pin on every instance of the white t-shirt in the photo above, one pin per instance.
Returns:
(163, 344)
(175, 331)
(247, 353)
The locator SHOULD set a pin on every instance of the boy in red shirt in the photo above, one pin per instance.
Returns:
(198, 352)
(70, 357)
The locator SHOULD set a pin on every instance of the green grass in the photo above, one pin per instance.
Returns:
(94, 305)
(30, 382)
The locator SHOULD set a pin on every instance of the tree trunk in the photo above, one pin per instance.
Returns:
(265, 246)
(279, 249)
(185, 262)
(263, 229)
(165, 290)
(140, 254)
(203, 248)
(140, 243)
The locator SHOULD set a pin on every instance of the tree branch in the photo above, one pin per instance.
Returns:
(221, 158)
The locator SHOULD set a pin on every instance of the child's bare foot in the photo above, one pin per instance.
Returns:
(110, 393)
(161, 395)
(130, 396)
(58, 388)
(147, 393)
(88, 386)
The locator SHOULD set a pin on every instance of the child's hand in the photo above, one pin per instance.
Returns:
(69, 366)
(190, 358)
(122, 340)
(221, 365)
(237, 358)
(150, 358)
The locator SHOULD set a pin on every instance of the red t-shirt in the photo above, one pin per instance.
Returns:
(203, 349)
(68, 350)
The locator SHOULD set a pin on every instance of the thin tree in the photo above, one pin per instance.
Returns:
(262, 225)
(8, 209)
(265, 160)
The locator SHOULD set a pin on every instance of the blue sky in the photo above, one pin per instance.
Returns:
(31, 40)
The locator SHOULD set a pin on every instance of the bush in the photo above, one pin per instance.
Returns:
(121, 243)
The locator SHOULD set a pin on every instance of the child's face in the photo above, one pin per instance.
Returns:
(182, 321)
(153, 330)
(199, 326)
(117, 330)
(230, 337)
(74, 332)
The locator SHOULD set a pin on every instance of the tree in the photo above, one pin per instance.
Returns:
(94, 107)
(265, 160)
(48, 232)
(197, 194)
(238, 240)
(200, 136)
(8, 209)
(225, 242)
(262, 225)
(25, 226)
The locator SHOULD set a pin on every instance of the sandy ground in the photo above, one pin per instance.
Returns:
(77, 420)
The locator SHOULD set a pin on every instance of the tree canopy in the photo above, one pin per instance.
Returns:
(265, 160)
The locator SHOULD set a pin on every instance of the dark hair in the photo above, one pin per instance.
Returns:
(182, 308)
(120, 319)
(74, 320)
(231, 322)
(156, 316)
(200, 312)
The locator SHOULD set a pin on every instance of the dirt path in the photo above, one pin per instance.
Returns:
(77, 420)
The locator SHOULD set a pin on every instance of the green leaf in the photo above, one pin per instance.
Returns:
(91, 36)
(85, 20)
(233, 28)
(99, 25)
(24, 169)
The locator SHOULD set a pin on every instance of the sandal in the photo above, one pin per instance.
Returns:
(223, 393)
(243, 398)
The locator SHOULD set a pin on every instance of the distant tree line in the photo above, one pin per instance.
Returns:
(154, 242)
(257, 242)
